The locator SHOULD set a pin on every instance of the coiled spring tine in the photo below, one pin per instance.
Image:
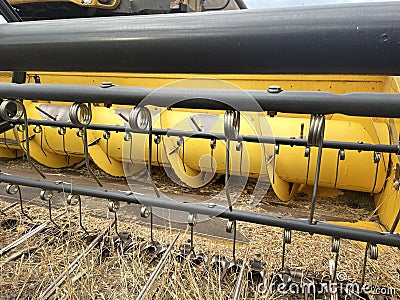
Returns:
(12, 189)
(287, 239)
(307, 154)
(47, 195)
(213, 145)
(39, 129)
(107, 136)
(146, 212)
(73, 200)
(231, 227)
(335, 247)
(128, 138)
(180, 142)
(371, 251)
(62, 131)
(192, 221)
(113, 207)
(231, 131)
(157, 141)
(239, 147)
(80, 115)
(276, 153)
(341, 156)
(316, 138)
(140, 120)
(377, 159)
(12, 111)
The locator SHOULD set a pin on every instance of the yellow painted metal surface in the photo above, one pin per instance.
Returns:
(90, 4)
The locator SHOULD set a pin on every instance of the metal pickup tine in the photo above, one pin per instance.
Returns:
(13, 111)
(80, 115)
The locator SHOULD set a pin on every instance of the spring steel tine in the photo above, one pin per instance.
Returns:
(192, 221)
(183, 154)
(26, 236)
(149, 164)
(113, 207)
(341, 156)
(107, 136)
(151, 226)
(213, 145)
(38, 129)
(376, 159)
(87, 159)
(239, 147)
(157, 141)
(335, 247)
(276, 152)
(46, 195)
(227, 174)
(62, 131)
(307, 153)
(27, 150)
(80, 217)
(157, 270)
(231, 227)
(80, 115)
(239, 282)
(21, 206)
(287, 239)
(73, 265)
(316, 138)
(12, 189)
(371, 251)
(231, 131)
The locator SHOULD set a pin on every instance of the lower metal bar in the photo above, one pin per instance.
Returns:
(212, 210)
(359, 146)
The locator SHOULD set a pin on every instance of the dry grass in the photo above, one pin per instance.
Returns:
(108, 274)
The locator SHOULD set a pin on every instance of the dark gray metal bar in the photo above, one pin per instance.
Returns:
(361, 38)
(212, 210)
(302, 102)
(8, 12)
(358, 146)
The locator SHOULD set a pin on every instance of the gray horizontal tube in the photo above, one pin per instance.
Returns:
(354, 104)
(358, 146)
(361, 38)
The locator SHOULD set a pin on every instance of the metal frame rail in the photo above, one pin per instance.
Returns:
(211, 210)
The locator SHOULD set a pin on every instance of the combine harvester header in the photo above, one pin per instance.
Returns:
(298, 98)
